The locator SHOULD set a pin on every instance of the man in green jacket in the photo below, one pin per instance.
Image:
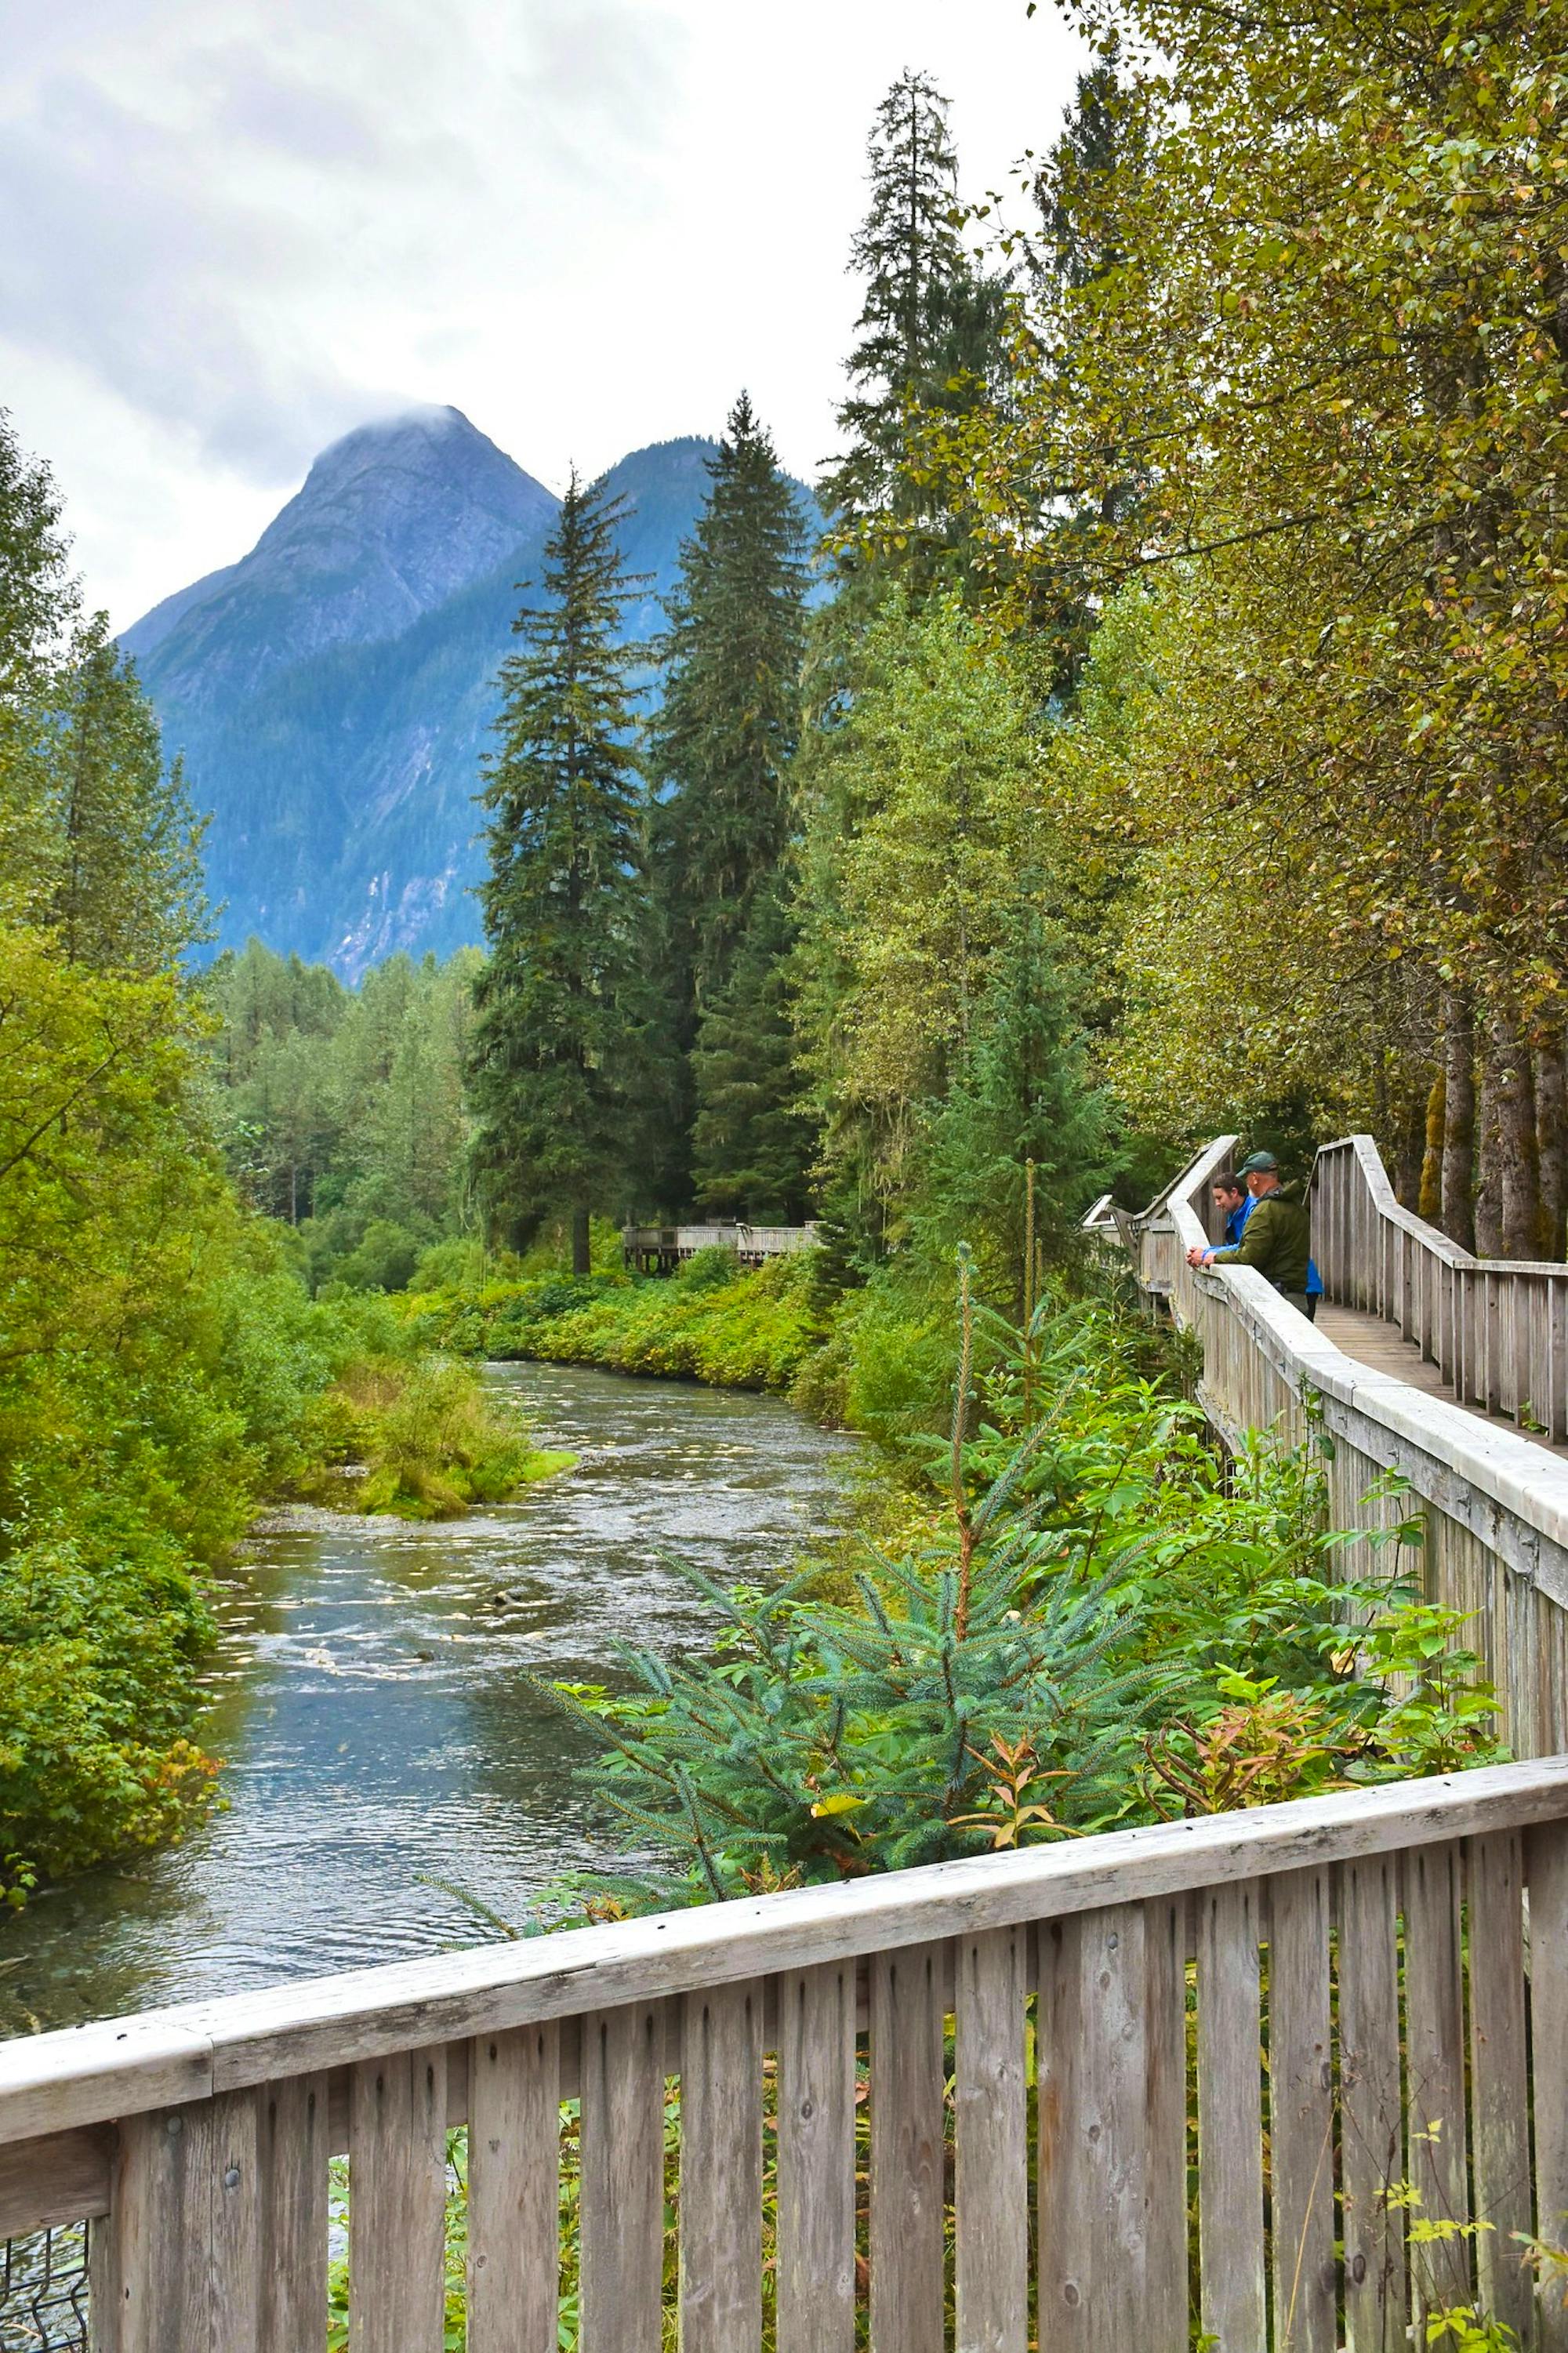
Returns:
(1277, 1236)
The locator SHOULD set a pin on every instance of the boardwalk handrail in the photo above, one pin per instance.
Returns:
(201, 2136)
(1495, 1505)
(1496, 1328)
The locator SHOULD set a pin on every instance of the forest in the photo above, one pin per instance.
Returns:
(1164, 737)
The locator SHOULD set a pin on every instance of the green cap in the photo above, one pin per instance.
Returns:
(1257, 1163)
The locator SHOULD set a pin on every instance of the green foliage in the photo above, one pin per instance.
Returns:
(1099, 1627)
(431, 1441)
(730, 713)
(751, 1144)
(341, 1111)
(929, 343)
(712, 1322)
(562, 1001)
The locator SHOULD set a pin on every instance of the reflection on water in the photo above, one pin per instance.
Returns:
(377, 1732)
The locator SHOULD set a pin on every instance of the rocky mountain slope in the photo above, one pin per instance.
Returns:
(333, 691)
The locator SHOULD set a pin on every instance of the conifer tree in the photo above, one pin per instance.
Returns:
(753, 1147)
(930, 332)
(730, 718)
(559, 1003)
(720, 749)
(126, 852)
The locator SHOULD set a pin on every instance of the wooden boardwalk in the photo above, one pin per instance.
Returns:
(1378, 1344)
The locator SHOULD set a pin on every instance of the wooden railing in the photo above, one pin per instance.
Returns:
(849, 2082)
(1497, 1328)
(1493, 1505)
(662, 1248)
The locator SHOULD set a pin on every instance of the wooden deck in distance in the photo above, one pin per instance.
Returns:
(1382, 1348)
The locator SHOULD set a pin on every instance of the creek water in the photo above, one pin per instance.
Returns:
(386, 1756)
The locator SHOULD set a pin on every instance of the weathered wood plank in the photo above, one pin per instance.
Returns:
(397, 2203)
(1230, 2122)
(62, 2178)
(1106, 2117)
(622, 2179)
(293, 2149)
(1371, 2125)
(817, 2159)
(55, 2081)
(907, 2152)
(1494, 1887)
(514, 2192)
(1435, 2072)
(1546, 1855)
(1302, 2115)
(234, 2249)
(991, 2126)
(1165, 2293)
(176, 2266)
(722, 2170)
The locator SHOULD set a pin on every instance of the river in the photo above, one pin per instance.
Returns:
(385, 1758)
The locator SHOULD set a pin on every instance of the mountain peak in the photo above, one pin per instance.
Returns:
(391, 521)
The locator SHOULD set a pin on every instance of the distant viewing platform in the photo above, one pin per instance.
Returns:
(657, 1249)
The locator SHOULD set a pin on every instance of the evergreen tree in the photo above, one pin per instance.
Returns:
(1022, 1094)
(559, 1001)
(752, 1147)
(929, 334)
(128, 873)
(730, 718)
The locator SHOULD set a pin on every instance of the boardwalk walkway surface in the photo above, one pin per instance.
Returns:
(1380, 1346)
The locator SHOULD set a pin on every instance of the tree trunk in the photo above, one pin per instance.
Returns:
(581, 1257)
(1551, 1140)
(1429, 1200)
(1489, 1175)
(1455, 1194)
(1512, 1090)
(1409, 1161)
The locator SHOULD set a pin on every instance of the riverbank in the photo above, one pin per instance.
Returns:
(386, 1755)
(876, 1359)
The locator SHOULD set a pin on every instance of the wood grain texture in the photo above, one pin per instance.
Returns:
(55, 2081)
(908, 2141)
(991, 2222)
(1500, 2077)
(514, 2189)
(817, 2159)
(1546, 1857)
(1372, 2121)
(1102, 2254)
(397, 2204)
(1166, 2294)
(1302, 2115)
(1230, 2122)
(176, 2267)
(62, 2178)
(722, 2170)
(622, 2179)
(1435, 2072)
(293, 2149)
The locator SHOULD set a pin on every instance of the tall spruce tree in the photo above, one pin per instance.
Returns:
(560, 1009)
(730, 718)
(127, 892)
(753, 1145)
(930, 336)
(720, 749)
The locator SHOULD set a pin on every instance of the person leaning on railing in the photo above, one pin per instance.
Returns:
(1276, 1237)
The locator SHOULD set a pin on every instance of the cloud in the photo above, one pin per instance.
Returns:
(229, 230)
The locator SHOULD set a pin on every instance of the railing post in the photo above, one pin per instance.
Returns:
(176, 2267)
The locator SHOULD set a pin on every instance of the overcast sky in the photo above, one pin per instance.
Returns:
(233, 229)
